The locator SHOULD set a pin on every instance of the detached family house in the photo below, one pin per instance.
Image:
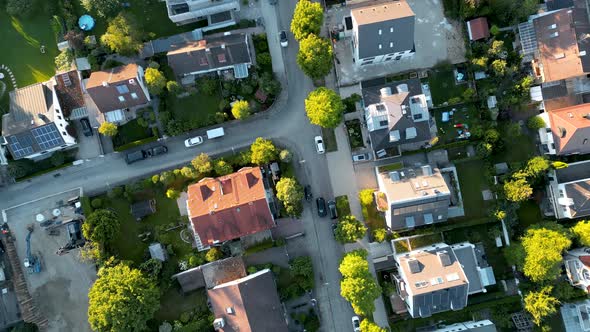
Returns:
(36, 125)
(229, 207)
(219, 13)
(569, 190)
(382, 31)
(118, 92)
(577, 268)
(397, 118)
(567, 130)
(439, 277)
(230, 52)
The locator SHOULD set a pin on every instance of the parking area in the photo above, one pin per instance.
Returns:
(88, 146)
(60, 289)
(436, 40)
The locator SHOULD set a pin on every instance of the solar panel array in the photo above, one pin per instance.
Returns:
(21, 147)
(528, 38)
(47, 136)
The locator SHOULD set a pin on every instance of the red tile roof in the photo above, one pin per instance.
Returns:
(585, 260)
(571, 129)
(478, 28)
(102, 88)
(230, 206)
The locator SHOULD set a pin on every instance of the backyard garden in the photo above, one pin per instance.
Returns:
(355, 135)
(443, 85)
(138, 131)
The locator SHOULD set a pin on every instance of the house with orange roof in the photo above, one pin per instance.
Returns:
(229, 207)
(567, 130)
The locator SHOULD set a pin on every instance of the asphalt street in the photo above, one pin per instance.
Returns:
(286, 123)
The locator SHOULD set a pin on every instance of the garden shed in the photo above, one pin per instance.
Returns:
(143, 209)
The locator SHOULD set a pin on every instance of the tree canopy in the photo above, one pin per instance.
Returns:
(172, 193)
(202, 163)
(290, 192)
(241, 109)
(122, 299)
(122, 35)
(315, 56)
(543, 246)
(366, 196)
(517, 190)
(222, 167)
(540, 304)
(536, 122)
(324, 108)
(21, 8)
(307, 19)
(155, 81)
(350, 229)
(302, 272)
(103, 8)
(582, 232)
(263, 151)
(214, 254)
(358, 285)
(101, 226)
(354, 264)
(108, 129)
(537, 166)
(368, 326)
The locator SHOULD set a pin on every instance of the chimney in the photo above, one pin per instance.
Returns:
(427, 170)
(385, 91)
(402, 88)
(218, 324)
(105, 83)
(223, 46)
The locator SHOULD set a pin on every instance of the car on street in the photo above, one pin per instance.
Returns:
(193, 141)
(332, 210)
(283, 38)
(361, 157)
(356, 324)
(321, 203)
(308, 194)
(132, 157)
(86, 128)
(319, 144)
(156, 151)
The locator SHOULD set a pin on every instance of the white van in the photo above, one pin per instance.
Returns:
(214, 133)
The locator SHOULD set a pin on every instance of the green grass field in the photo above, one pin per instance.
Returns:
(472, 183)
(198, 109)
(443, 87)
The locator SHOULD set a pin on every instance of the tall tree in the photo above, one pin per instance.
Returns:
(289, 191)
(241, 109)
(368, 326)
(108, 129)
(324, 108)
(361, 292)
(202, 163)
(315, 56)
(222, 167)
(263, 151)
(354, 264)
(307, 19)
(543, 246)
(302, 272)
(582, 232)
(350, 229)
(537, 166)
(517, 190)
(155, 81)
(103, 8)
(102, 227)
(540, 304)
(536, 122)
(122, 299)
(22, 8)
(499, 67)
(123, 36)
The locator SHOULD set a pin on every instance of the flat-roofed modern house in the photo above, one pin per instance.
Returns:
(576, 316)
(439, 278)
(485, 325)
(219, 13)
(577, 268)
(569, 189)
(567, 130)
(229, 207)
(397, 117)
(382, 31)
(413, 197)
(230, 52)
(35, 125)
(118, 92)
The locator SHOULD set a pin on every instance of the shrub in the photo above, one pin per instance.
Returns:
(366, 196)
(96, 203)
(285, 156)
(535, 123)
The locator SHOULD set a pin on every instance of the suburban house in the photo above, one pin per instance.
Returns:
(568, 190)
(567, 130)
(248, 304)
(577, 268)
(382, 31)
(229, 207)
(118, 92)
(211, 274)
(440, 277)
(397, 117)
(558, 42)
(485, 325)
(555, 95)
(576, 316)
(413, 197)
(478, 29)
(219, 13)
(70, 94)
(230, 52)
(35, 125)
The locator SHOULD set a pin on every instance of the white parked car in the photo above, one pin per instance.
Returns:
(356, 324)
(319, 144)
(283, 38)
(361, 157)
(193, 141)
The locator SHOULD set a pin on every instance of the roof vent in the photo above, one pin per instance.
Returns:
(385, 91)
(587, 116)
(223, 46)
(218, 323)
(132, 81)
(229, 310)
(402, 88)
(215, 206)
(105, 83)
(394, 176)
(427, 170)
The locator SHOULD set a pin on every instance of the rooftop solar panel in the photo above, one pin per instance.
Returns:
(528, 39)
(47, 137)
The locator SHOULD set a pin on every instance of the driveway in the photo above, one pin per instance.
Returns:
(88, 146)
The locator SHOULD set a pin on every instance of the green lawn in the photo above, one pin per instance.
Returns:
(373, 218)
(198, 109)
(529, 213)
(443, 87)
(466, 114)
(173, 303)
(472, 183)
(130, 132)
(329, 136)
(518, 149)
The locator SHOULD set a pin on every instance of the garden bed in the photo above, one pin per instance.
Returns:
(342, 205)
(329, 136)
(355, 135)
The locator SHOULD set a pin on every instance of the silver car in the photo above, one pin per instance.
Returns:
(193, 141)
(361, 157)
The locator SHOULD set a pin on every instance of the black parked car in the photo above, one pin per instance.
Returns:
(332, 209)
(308, 195)
(321, 203)
(132, 157)
(156, 151)
(86, 128)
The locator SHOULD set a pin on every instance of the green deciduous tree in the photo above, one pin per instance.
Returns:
(517, 190)
(307, 19)
(103, 8)
(536, 122)
(290, 192)
(496, 48)
(173, 87)
(122, 300)
(380, 235)
(315, 56)
(263, 151)
(189, 172)
(354, 264)
(63, 61)
(350, 229)
(155, 81)
(480, 63)
(324, 108)
(241, 109)
(285, 156)
(582, 232)
(202, 163)
(302, 272)
(499, 67)
(543, 246)
(536, 166)
(172, 193)
(368, 326)
(214, 254)
(222, 167)
(102, 227)
(123, 36)
(108, 129)
(22, 8)
(366, 196)
(540, 304)
(361, 292)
